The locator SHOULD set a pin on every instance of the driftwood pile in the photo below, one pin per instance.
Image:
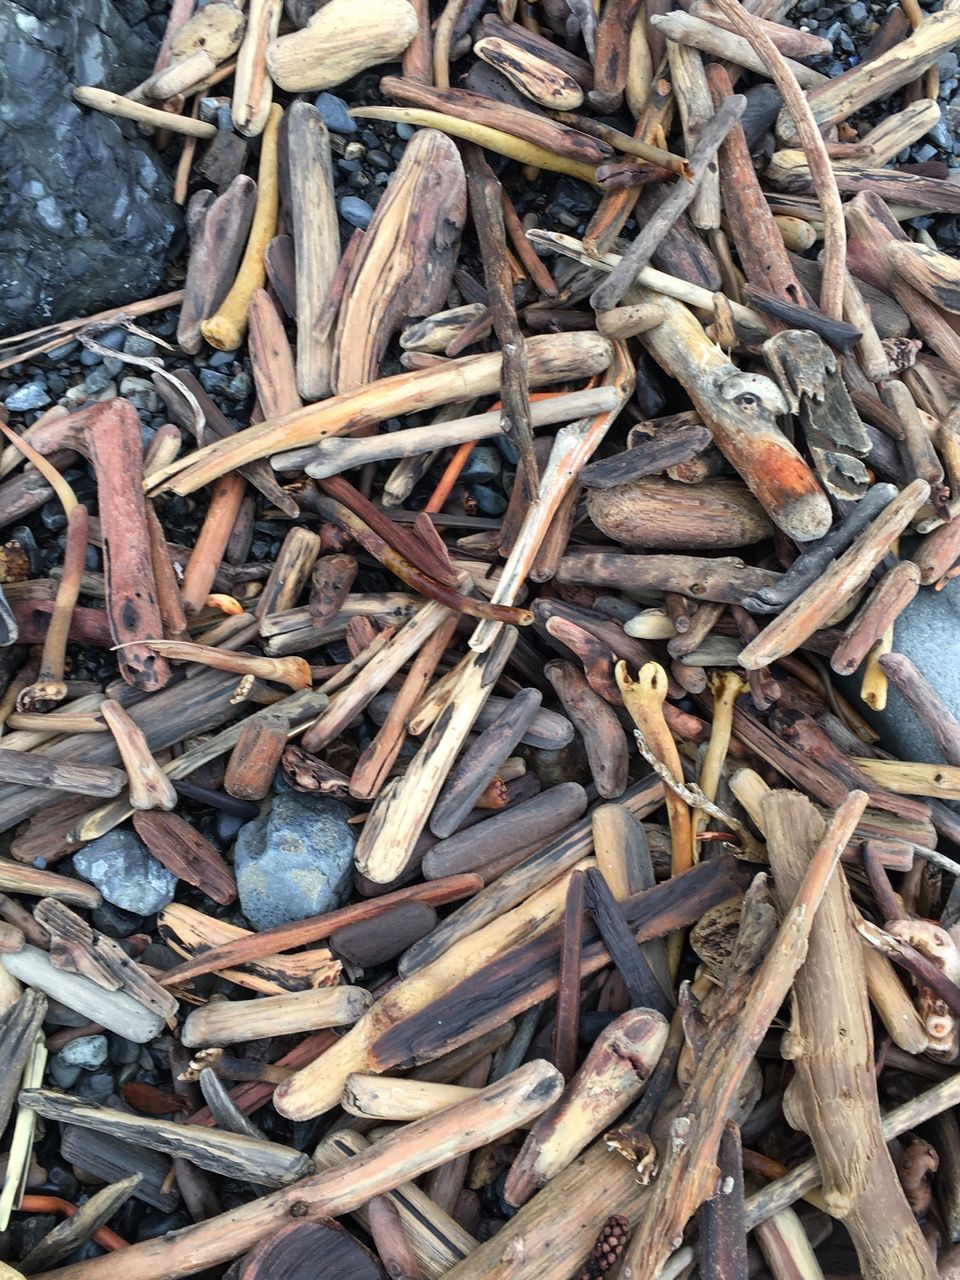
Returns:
(617, 822)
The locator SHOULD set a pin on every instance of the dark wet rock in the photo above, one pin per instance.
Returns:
(88, 216)
(295, 861)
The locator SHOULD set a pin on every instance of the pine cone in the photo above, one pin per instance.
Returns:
(611, 1242)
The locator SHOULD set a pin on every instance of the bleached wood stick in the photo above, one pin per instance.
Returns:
(234, 1021)
(252, 87)
(392, 1098)
(694, 32)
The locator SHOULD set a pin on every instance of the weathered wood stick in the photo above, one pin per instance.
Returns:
(480, 762)
(403, 807)
(846, 575)
(912, 778)
(255, 759)
(201, 569)
(391, 1098)
(116, 104)
(233, 1155)
(252, 87)
(551, 357)
(834, 1069)
(725, 45)
(85, 780)
(624, 274)
(798, 43)
(372, 942)
(395, 1160)
(517, 828)
(75, 1231)
(271, 357)
(148, 786)
(646, 456)
(789, 172)
(929, 271)
(611, 1078)
(916, 449)
(115, 1010)
(933, 713)
(603, 736)
(223, 1022)
(535, 77)
(724, 579)
(688, 1174)
(893, 1005)
(185, 852)
(886, 602)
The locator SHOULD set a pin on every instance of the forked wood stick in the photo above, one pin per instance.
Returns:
(403, 807)
(612, 1076)
(573, 446)
(840, 581)
(688, 1174)
(292, 672)
(551, 357)
(149, 787)
(833, 1095)
(395, 1160)
(608, 294)
(821, 172)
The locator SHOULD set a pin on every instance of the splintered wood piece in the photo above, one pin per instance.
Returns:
(316, 239)
(230, 1154)
(217, 237)
(833, 1095)
(330, 584)
(30, 770)
(386, 1165)
(688, 1173)
(844, 577)
(886, 602)
(149, 787)
(201, 939)
(551, 357)
(19, 1027)
(218, 523)
(723, 1234)
(480, 762)
(252, 88)
(566, 1032)
(233, 946)
(115, 1010)
(77, 948)
(740, 411)
(516, 829)
(808, 374)
(403, 807)
(603, 736)
(406, 261)
(188, 854)
(271, 359)
(234, 1021)
(437, 1241)
(75, 1231)
(611, 1078)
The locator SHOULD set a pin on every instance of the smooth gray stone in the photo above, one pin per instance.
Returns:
(296, 861)
(126, 873)
(88, 1052)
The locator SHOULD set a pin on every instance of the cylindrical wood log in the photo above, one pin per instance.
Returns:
(234, 1021)
(256, 757)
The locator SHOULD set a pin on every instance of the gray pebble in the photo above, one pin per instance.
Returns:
(88, 1052)
(134, 345)
(295, 861)
(333, 113)
(483, 465)
(63, 1075)
(356, 211)
(126, 873)
(490, 501)
(32, 395)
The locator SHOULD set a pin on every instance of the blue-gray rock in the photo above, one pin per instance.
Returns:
(490, 501)
(483, 464)
(926, 632)
(63, 1075)
(356, 211)
(334, 114)
(88, 1052)
(295, 861)
(32, 395)
(88, 215)
(126, 873)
